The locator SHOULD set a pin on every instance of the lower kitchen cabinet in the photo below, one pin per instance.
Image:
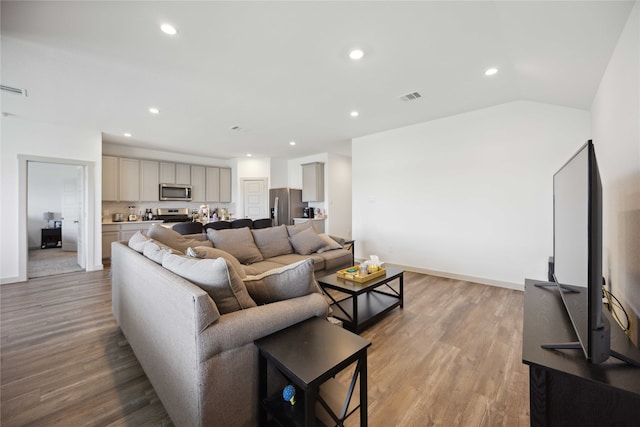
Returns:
(120, 231)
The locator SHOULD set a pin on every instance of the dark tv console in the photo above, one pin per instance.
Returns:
(564, 387)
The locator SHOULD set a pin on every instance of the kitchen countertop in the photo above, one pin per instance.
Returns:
(153, 221)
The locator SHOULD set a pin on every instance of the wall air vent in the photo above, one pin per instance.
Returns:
(14, 90)
(411, 96)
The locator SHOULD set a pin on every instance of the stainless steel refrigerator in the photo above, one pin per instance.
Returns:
(285, 204)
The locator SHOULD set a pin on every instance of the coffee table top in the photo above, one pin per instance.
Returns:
(310, 349)
(352, 287)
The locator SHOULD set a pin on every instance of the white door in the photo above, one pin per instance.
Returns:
(71, 212)
(255, 201)
(82, 216)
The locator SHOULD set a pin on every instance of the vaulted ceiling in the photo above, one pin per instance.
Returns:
(281, 72)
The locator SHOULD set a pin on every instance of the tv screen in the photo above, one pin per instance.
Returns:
(577, 249)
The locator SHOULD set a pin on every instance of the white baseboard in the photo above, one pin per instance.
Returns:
(481, 280)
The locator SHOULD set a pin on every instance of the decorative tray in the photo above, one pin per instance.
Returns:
(356, 277)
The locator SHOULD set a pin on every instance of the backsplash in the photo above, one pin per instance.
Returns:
(110, 208)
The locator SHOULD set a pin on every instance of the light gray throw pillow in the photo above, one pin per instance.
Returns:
(290, 281)
(174, 239)
(272, 241)
(137, 241)
(306, 242)
(213, 253)
(331, 244)
(238, 242)
(296, 228)
(156, 251)
(222, 284)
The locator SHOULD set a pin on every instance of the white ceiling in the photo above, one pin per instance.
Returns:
(280, 70)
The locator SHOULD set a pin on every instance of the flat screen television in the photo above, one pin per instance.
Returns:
(577, 256)
(577, 251)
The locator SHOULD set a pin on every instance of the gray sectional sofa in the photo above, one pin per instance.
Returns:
(191, 312)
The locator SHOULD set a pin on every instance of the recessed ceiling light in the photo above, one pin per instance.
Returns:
(354, 114)
(292, 143)
(491, 72)
(356, 54)
(249, 154)
(153, 110)
(128, 135)
(169, 29)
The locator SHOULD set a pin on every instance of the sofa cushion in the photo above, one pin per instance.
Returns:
(213, 253)
(156, 251)
(238, 242)
(306, 242)
(331, 244)
(296, 228)
(173, 239)
(137, 241)
(318, 260)
(272, 241)
(337, 258)
(283, 283)
(263, 266)
(215, 277)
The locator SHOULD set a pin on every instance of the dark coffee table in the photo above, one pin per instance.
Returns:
(365, 303)
(310, 354)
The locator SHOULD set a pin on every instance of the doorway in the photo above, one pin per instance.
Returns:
(55, 205)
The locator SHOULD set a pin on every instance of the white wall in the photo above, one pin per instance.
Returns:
(338, 205)
(616, 136)
(27, 138)
(467, 196)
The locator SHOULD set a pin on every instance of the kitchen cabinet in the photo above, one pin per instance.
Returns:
(225, 185)
(183, 174)
(121, 231)
(198, 183)
(218, 185)
(167, 173)
(213, 184)
(313, 182)
(129, 180)
(172, 173)
(109, 178)
(149, 170)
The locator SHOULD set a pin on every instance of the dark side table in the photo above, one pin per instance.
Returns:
(309, 355)
(51, 238)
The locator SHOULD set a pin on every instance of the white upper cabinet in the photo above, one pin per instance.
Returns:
(313, 182)
(149, 188)
(225, 185)
(109, 178)
(183, 174)
(167, 173)
(129, 185)
(198, 183)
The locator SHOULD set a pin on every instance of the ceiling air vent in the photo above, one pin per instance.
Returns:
(236, 128)
(14, 90)
(411, 96)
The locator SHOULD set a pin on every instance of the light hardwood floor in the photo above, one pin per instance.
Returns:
(451, 357)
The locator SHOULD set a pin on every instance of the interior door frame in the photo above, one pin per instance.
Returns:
(88, 208)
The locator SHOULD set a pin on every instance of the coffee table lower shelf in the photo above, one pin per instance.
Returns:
(283, 414)
(370, 306)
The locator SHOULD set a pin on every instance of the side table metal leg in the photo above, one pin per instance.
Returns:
(364, 414)
(401, 290)
(262, 390)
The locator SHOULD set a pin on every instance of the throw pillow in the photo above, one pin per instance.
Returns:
(306, 242)
(238, 242)
(137, 241)
(290, 281)
(156, 251)
(174, 239)
(272, 241)
(295, 229)
(213, 253)
(331, 244)
(222, 284)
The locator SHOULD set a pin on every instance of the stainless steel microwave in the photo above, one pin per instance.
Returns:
(175, 192)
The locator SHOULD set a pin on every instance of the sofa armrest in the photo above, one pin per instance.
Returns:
(241, 327)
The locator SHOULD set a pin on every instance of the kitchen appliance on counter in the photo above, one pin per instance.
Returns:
(117, 217)
(175, 192)
(285, 204)
(308, 212)
(173, 214)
